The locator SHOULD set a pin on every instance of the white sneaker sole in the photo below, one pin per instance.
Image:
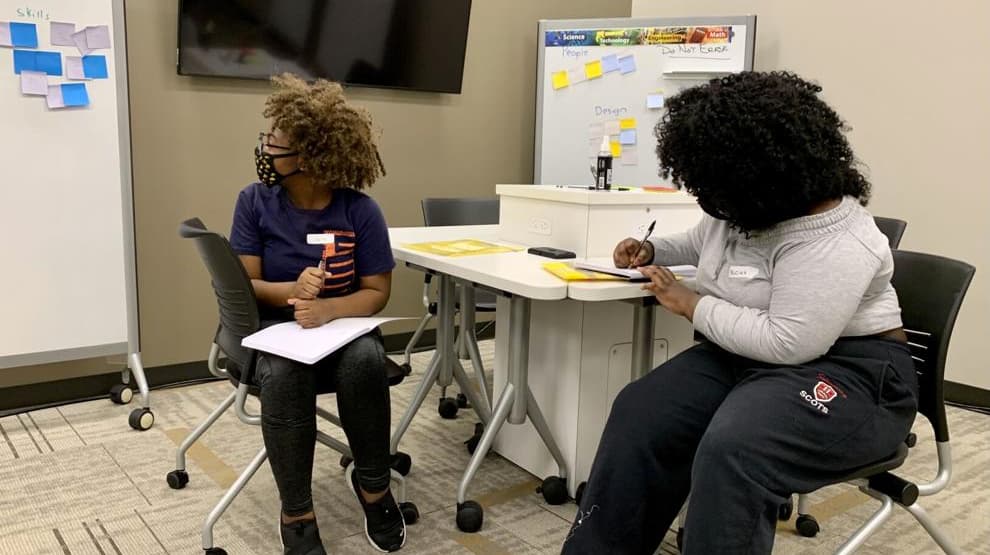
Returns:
(368, 536)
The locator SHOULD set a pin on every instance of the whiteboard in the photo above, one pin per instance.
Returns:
(65, 201)
(598, 77)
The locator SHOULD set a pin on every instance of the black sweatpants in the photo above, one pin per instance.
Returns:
(741, 436)
(288, 416)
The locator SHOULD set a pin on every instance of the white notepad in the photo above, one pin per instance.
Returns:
(292, 341)
(606, 266)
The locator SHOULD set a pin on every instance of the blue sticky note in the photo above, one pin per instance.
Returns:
(654, 101)
(627, 64)
(610, 63)
(74, 94)
(627, 137)
(24, 35)
(95, 67)
(48, 62)
(25, 60)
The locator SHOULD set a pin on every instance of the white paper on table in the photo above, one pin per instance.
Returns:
(5, 39)
(309, 346)
(97, 36)
(55, 97)
(607, 266)
(34, 82)
(61, 33)
(74, 67)
(79, 39)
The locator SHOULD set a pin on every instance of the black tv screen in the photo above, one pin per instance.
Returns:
(406, 44)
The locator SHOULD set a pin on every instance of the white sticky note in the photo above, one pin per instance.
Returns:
(34, 82)
(98, 36)
(74, 67)
(61, 33)
(630, 157)
(654, 101)
(611, 127)
(577, 75)
(5, 34)
(55, 97)
(79, 39)
(595, 131)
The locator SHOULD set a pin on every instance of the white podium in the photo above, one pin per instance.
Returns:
(580, 352)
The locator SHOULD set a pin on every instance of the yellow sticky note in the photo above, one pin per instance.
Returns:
(560, 80)
(627, 123)
(616, 149)
(593, 70)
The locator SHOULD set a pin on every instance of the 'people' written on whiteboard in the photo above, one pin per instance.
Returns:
(576, 52)
(610, 111)
(689, 50)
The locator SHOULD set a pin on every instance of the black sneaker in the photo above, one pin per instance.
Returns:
(301, 538)
(383, 523)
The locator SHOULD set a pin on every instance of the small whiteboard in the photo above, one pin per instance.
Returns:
(610, 77)
(65, 204)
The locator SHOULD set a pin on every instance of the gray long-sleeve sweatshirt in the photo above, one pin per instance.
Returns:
(786, 294)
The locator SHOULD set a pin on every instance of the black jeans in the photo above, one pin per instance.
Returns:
(741, 436)
(288, 416)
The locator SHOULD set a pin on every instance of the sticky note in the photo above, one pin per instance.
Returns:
(74, 67)
(23, 35)
(627, 123)
(79, 39)
(627, 64)
(611, 127)
(559, 79)
(34, 82)
(593, 69)
(5, 39)
(98, 36)
(61, 33)
(630, 157)
(49, 62)
(95, 67)
(654, 101)
(24, 60)
(627, 137)
(616, 149)
(577, 75)
(74, 94)
(595, 131)
(610, 63)
(54, 98)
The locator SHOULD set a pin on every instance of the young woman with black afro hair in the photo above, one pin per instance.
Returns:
(803, 373)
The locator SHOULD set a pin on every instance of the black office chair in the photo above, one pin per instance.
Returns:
(239, 317)
(892, 228)
(450, 212)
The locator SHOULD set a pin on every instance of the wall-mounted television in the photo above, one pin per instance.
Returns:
(402, 44)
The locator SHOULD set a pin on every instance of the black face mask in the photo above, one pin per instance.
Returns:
(265, 164)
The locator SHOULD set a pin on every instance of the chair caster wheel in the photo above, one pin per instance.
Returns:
(406, 368)
(470, 515)
(345, 461)
(121, 394)
(554, 490)
(447, 408)
(410, 514)
(462, 401)
(473, 441)
(401, 463)
(214, 551)
(177, 479)
(785, 511)
(141, 419)
(807, 526)
(579, 493)
(680, 539)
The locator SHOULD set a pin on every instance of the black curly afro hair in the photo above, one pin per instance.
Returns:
(757, 149)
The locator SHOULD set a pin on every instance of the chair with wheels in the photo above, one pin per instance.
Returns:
(239, 317)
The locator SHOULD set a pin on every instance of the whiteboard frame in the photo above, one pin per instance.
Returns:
(620, 23)
(133, 344)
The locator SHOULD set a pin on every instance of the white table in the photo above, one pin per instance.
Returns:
(517, 276)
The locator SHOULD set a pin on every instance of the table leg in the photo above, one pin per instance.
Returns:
(417, 401)
(644, 317)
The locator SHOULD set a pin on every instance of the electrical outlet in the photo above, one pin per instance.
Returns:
(540, 226)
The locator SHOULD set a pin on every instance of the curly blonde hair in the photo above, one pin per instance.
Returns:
(334, 139)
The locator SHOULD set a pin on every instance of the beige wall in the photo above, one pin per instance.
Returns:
(911, 79)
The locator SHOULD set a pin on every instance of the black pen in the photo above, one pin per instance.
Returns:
(649, 231)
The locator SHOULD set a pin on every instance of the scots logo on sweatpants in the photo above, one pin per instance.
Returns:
(823, 393)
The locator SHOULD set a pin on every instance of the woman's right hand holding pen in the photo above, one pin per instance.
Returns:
(309, 284)
(627, 253)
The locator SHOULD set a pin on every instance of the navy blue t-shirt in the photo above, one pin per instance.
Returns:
(266, 224)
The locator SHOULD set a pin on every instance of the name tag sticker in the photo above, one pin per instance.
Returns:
(319, 238)
(743, 272)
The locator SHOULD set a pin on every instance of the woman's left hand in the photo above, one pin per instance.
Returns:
(311, 313)
(672, 294)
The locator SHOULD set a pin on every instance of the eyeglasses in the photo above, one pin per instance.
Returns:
(264, 142)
